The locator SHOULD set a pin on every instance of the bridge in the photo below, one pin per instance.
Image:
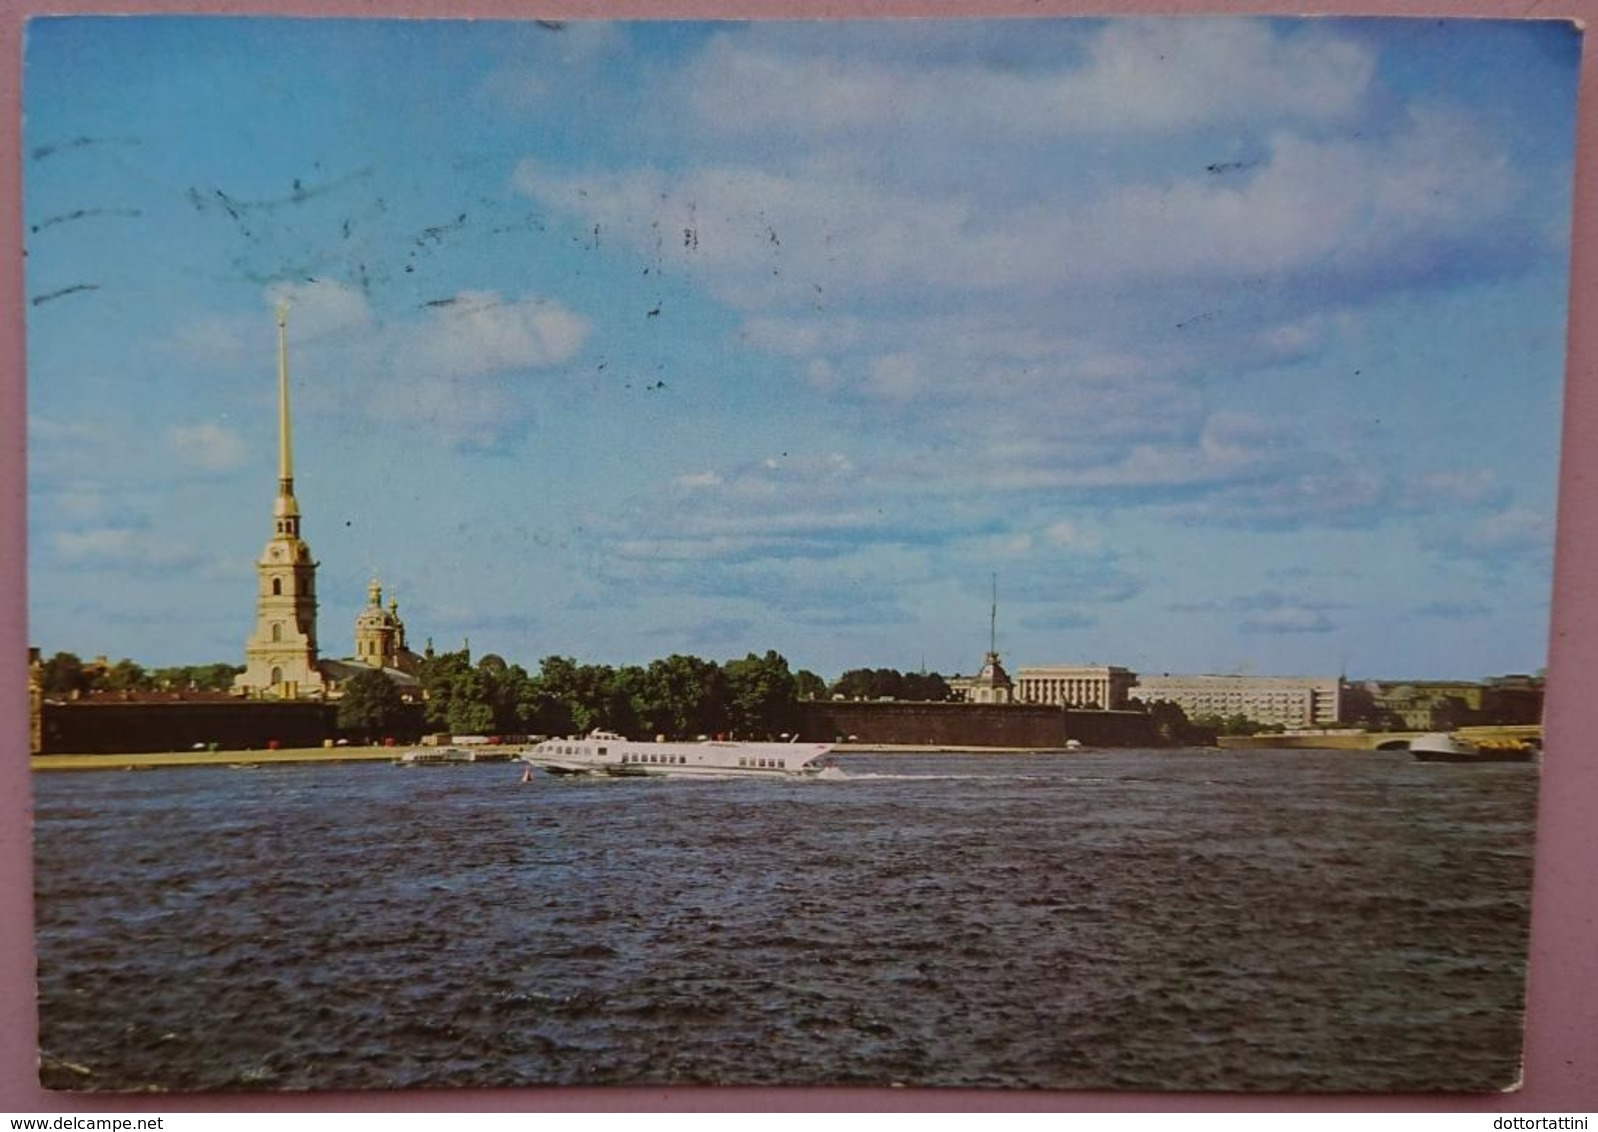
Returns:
(1350, 739)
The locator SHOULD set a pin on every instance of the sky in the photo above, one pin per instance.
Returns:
(1216, 345)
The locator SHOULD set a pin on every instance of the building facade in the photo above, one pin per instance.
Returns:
(1288, 701)
(1104, 686)
(280, 657)
(379, 645)
(380, 634)
(1425, 705)
(991, 685)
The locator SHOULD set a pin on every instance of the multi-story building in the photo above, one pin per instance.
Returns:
(1290, 701)
(1102, 686)
(1513, 699)
(1425, 705)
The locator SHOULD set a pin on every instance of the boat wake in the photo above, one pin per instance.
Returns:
(839, 775)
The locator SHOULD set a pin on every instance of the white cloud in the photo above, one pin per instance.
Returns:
(1453, 610)
(76, 503)
(1514, 529)
(896, 377)
(1453, 487)
(478, 332)
(1363, 213)
(318, 308)
(1068, 536)
(122, 548)
(209, 446)
(48, 430)
(449, 368)
(1229, 446)
(1287, 619)
(1139, 76)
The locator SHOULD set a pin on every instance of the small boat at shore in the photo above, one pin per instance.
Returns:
(453, 756)
(607, 753)
(436, 756)
(1441, 747)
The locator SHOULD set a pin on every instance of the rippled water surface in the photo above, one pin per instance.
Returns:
(1185, 920)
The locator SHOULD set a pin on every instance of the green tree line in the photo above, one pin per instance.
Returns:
(64, 675)
(679, 697)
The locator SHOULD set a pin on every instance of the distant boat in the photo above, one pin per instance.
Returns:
(607, 753)
(435, 756)
(1441, 747)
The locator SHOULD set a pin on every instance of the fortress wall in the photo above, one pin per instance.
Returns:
(972, 725)
(932, 724)
(125, 728)
(1111, 729)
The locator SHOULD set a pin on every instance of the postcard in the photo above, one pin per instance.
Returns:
(977, 553)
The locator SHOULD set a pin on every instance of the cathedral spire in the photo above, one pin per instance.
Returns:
(286, 511)
(280, 657)
(285, 444)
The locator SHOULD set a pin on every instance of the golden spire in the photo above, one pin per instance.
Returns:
(285, 447)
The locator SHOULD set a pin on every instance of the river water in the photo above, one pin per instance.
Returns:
(1122, 919)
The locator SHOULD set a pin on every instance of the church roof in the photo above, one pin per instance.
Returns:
(342, 670)
(992, 672)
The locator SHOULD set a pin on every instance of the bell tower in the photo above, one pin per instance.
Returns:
(280, 656)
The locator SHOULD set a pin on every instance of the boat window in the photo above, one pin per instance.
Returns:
(602, 751)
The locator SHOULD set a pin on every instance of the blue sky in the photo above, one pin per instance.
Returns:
(1227, 344)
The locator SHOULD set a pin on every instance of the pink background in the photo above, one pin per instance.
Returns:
(1562, 1029)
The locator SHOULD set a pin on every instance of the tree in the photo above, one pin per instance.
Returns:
(1172, 726)
(1451, 712)
(889, 683)
(468, 715)
(870, 684)
(459, 698)
(126, 676)
(63, 675)
(762, 696)
(571, 698)
(685, 696)
(627, 691)
(501, 688)
(541, 711)
(809, 686)
(371, 705)
(925, 687)
(1360, 708)
(196, 677)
